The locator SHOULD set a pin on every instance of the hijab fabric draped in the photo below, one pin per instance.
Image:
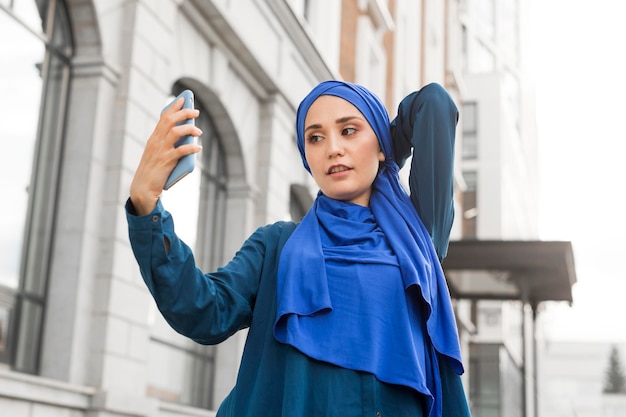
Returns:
(302, 289)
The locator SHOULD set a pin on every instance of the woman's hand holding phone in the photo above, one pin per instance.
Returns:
(168, 155)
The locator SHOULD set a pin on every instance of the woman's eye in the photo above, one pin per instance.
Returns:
(314, 138)
(348, 131)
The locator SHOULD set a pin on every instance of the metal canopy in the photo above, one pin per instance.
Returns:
(530, 271)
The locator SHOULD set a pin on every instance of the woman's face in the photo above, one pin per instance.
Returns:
(341, 149)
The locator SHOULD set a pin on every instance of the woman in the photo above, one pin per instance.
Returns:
(348, 311)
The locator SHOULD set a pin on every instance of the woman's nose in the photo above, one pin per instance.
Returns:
(334, 146)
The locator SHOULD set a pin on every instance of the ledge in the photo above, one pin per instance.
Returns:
(41, 390)
(529, 271)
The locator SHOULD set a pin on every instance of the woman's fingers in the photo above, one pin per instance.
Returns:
(160, 155)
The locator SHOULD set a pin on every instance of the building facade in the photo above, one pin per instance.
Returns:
(79, 333)
(500, 199)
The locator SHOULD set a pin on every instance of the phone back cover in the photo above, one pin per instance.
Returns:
(185, 164)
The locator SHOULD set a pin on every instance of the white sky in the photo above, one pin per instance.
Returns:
(580, 74)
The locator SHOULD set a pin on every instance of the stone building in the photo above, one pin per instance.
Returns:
(80, 334)
(83, 83)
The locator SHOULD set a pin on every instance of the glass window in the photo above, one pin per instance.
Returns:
(470, 209)
(471, 180)
(181, 370)
(485, 379)
(512, 384)
(34, 86)
(7, 297)
(470, 135)
(21, 82)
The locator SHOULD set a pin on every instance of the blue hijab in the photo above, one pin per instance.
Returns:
(302, 288)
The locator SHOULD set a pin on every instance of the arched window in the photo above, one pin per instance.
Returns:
(181, 370)
(36, 50)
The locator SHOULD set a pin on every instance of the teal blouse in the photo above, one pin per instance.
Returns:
(274, 379)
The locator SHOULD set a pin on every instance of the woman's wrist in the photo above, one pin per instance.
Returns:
(143, 206)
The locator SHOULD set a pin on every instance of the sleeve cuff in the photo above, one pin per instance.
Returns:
(146, 222)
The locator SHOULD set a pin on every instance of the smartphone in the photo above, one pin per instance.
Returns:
(186, 164)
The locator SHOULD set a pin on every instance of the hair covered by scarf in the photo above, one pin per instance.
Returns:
(302, 281)
(372, 108)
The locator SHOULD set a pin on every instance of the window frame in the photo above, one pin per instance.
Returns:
(27, 312)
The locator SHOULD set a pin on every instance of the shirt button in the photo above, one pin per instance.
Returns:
(155, 218)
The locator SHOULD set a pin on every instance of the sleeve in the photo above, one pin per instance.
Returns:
(426, 123)
(207, 308)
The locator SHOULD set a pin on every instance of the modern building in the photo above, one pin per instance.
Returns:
(498, 266)
(87, 79)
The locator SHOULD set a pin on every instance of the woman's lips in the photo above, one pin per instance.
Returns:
(337, 169)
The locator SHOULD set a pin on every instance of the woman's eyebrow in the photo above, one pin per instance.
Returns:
(338, 121)
(313, 126)
(347, 119)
